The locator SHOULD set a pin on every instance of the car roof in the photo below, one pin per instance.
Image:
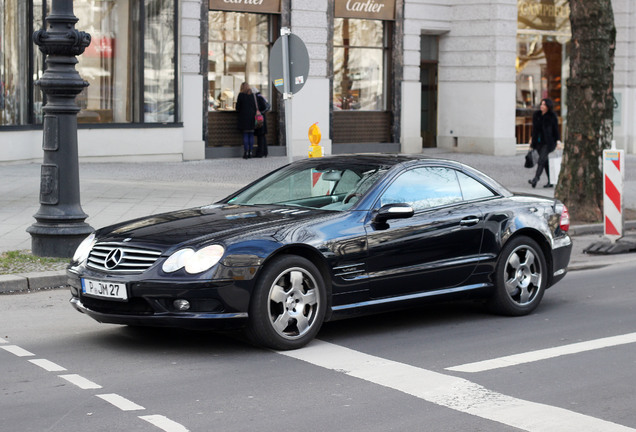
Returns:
(390, 160)
(379, 158)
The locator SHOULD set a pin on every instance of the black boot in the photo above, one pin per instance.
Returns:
(533, 182)
(244, 155)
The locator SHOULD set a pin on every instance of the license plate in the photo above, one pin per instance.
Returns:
(104, 289)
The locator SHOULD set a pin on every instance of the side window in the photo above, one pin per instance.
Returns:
(472, 189)
(424, 188)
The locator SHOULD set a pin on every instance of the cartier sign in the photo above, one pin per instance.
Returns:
(368, 9)
(257, 6)
(555, 9)
(544, 15)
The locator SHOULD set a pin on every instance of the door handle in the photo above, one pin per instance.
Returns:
(469, 221)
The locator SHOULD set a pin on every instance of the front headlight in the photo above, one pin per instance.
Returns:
(84, 249)
(194, 262)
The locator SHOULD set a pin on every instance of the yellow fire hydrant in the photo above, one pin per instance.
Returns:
(315, 150)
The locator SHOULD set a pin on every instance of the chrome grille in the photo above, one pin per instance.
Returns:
(118, 258)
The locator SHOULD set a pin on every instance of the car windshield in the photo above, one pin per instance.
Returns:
(328, 186)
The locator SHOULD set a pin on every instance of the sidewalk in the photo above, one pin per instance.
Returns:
(113, 192)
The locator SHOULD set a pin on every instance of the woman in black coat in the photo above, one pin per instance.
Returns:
(246, 109)
(261, 132)
(545, 137)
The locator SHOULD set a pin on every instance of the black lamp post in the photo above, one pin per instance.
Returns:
(60, 226)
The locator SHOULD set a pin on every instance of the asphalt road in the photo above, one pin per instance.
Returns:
(570, 366)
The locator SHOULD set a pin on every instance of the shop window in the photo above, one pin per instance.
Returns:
(14, 84)
(131, 78)
(542, 63)
(37, 61)
(238, 51)
(359, 64)
(130, 64)
(159, 62)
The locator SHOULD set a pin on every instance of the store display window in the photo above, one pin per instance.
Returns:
(359, 64)
(16, 93)
(542, 64)
(238, 51)
(130, 65)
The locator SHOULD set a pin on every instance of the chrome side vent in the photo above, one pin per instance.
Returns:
(114, 257)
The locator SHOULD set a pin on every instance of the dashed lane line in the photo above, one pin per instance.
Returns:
(118, 401)
(80, 381)
(452, 392)
(14, 349)
(121, 402)
(48, 365)
(164, 423)
(544, 354)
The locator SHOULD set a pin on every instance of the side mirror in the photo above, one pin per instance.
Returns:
(393, 211)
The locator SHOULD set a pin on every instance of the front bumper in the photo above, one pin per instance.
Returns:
(187, 320)
(219, 305)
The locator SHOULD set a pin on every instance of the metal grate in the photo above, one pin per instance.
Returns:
(114, 257)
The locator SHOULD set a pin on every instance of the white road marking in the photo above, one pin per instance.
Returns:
(120, 402)
(48, 365)
(80, 381)
(164, 423)
(532, 356)
(14, 349)
(451, 392)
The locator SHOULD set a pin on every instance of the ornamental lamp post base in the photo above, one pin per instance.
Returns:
(51, 240)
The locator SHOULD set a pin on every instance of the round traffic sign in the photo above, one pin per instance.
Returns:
(298, 63)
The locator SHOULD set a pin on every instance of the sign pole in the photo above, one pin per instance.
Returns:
(287, 95)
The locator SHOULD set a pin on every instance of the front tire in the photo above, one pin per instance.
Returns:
(521, 276)
(288, 304)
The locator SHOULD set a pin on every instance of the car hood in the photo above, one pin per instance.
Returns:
(197, 225)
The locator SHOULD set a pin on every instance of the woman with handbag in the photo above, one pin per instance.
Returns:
(260, 133)
(545, 137)
(246, 109)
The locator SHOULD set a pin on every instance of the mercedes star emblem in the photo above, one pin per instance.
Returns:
(113, 258)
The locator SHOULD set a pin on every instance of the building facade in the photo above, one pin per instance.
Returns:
(384, 75)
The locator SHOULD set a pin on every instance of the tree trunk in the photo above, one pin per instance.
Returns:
(590, 94)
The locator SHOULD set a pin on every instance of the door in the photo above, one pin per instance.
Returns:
(428, 79)
(437, 248)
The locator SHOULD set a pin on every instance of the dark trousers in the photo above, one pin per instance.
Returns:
(543, 163)
(262, 146)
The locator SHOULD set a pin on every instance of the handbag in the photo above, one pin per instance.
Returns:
(258, 118)
(531, 158)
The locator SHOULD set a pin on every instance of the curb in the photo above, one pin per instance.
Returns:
(28, 282)
(596, 228)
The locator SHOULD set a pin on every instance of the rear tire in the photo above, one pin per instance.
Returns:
(521, 276)
(288, 304)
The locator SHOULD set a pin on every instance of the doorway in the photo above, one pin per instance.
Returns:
(429, 45)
